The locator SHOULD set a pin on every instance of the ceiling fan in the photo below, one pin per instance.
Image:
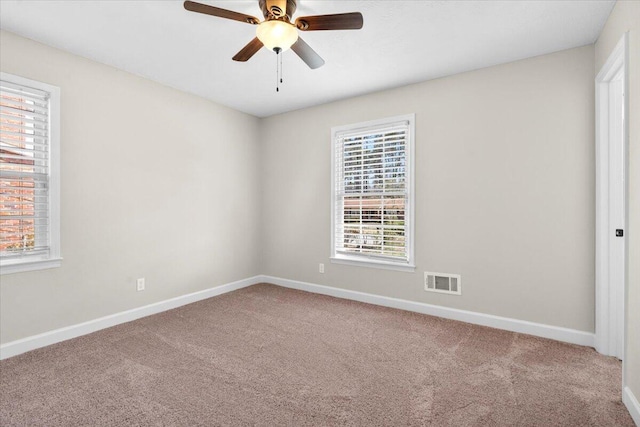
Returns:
(277, 32)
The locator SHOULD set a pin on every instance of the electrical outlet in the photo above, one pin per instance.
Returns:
(321, 268)
(140, 284)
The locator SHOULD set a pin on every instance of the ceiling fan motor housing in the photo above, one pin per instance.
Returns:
(277, 8)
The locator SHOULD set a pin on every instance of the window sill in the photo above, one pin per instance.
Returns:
(385, 265)
(30, 265)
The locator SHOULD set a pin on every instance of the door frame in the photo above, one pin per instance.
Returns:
(608, 330)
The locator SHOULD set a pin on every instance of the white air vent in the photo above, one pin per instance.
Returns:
(443, 282)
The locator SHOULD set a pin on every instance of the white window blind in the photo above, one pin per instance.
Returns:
(25, 174)
(372, 192)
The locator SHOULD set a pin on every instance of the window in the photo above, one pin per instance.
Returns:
(372, 203)
(29, 175)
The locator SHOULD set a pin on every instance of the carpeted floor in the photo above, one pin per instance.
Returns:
(266, 355)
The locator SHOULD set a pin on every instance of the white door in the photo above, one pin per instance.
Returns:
(611, 146)
(616, 215)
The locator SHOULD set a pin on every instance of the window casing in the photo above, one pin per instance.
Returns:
(29, 175)
(372, 193)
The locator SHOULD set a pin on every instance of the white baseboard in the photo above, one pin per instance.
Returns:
(514, 325)
(20, 346)
(632, 404)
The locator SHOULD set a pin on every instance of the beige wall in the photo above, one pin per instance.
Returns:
(156, 183)
(626, 17)
(504, 190)
(191, 193)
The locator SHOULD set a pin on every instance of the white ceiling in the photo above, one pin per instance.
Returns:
(402, 42)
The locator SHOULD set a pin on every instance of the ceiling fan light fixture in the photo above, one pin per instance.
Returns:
(277, 34)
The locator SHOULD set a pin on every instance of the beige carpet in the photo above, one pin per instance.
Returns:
(270, 356)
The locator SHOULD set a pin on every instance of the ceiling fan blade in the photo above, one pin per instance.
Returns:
(221, 13)
(248, 51)
(340, 21)
(308, 55)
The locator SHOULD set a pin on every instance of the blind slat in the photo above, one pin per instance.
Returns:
(22, 150)
(18, 217)
(24, 105)
(6, 93)
(22, 159)
(17, 89)
(23, 144)
(5, 117)
(40, 138)
(23, 128)
(5, 109)
(8, 121)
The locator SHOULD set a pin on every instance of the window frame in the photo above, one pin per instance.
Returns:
(54, 258)
(372, 261)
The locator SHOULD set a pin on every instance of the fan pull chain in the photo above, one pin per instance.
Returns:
(277, 50)
(278, 68)
(281, 68)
